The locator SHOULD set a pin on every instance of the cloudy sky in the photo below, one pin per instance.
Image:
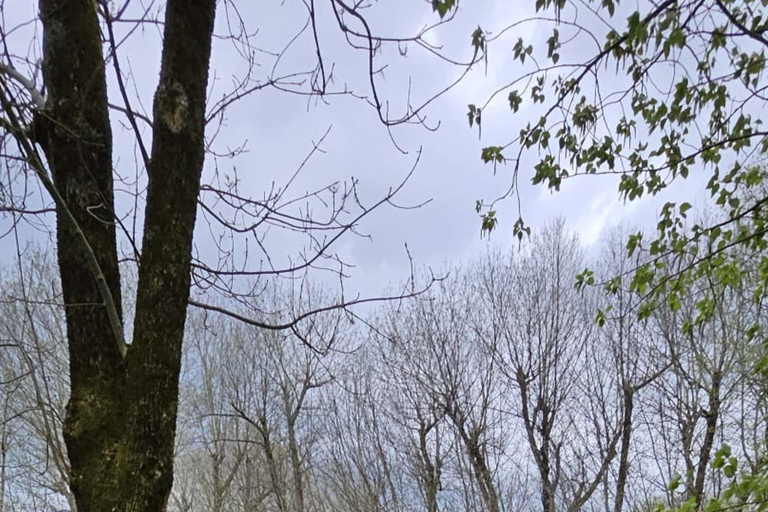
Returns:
(277, 129)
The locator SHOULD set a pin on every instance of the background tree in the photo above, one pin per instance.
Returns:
(376, 434)
(633, 350)
(549, 353)
(35, 469)
(434, 348)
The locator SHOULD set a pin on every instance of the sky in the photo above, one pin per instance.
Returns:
(277, 130)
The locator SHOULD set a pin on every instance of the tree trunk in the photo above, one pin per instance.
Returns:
(430, 471)
(626, 439)
(483, 476)
(121, 417)
(712, 417)
(298, 481)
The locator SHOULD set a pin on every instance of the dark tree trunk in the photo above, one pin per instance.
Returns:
(121, 417)
(626, 439)
(430, 470)
(477, 458)
(77, 140)
(712, 417)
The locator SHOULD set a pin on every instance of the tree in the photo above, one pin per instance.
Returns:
(211, 444)
(547, 350)
(35, 470)
(651, 94)
(120, 421)
(433, 348)
(360, 468)
(639, 362)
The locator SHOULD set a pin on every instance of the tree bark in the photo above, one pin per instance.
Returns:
(626, 438)
(121, 417)
(429, 470)
(477, 458)
(712, 417)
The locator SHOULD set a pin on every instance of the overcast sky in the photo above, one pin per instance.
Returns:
(279, 129)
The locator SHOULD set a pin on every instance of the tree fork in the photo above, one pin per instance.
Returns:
(120, 422)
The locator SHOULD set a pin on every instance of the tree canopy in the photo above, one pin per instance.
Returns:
(651, 93)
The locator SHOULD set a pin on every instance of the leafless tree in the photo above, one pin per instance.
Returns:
(631, 349)
(360, 470)
(33, 362)
(57, 116)
(434, 347)
(211, 442)
(545, 351)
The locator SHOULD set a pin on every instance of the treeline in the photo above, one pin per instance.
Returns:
(502, 388)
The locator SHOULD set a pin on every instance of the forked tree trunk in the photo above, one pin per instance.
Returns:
(121, 417)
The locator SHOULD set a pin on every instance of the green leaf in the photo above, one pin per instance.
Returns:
(442, 7)
(492, 154)
(489, 222)
(674, 483)
(473, 115)
(520, 230)
(478, 40)
(514, 101)
(600, 318)
(585, 277)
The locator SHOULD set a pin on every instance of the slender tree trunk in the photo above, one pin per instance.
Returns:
(541, 450)
(626, 437)
(430, 470)
(482, 473)
(4, 449)
(547, 489)
(121, 417)
(298, 481)
(712, 417)
(217, 498)
(477, 459)
(273, 467)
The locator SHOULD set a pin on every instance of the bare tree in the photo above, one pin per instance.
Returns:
(545, 353)
(418, 429)
(210, 440)
(34, 384)
(121, 418)
(272, 383)
(435, 347)
(631, 349)
(360, 469)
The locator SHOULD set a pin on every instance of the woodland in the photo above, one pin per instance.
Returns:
(175, 336)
